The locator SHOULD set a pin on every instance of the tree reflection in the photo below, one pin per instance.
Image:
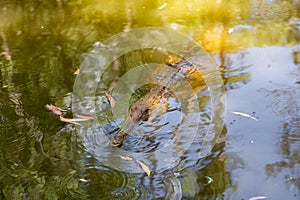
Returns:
(284, 107)
(41, 43)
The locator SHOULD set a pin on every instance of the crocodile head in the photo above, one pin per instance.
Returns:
(142, 110)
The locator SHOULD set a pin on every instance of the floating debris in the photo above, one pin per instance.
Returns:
(111, 100)
(84, 117)
(144, 167)
(55, 110)
(77, 71)
(258, 197)
(73, 120)
(59, 111)
(83, 180)
(126, 158)
(162, 6)
(209, 180)
(245, 115)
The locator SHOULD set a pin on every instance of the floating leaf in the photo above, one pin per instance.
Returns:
(84, 117)
(126, 158)
(111, 100)
(72, 121)
(78, 119)
(209, 180)
(83, 180)
(258, 197)
(77, 71)
(162, 6)
(144, 167)
(244, 115)
(55, 110)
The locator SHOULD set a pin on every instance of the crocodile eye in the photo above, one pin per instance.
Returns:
(116, 141)
(145, 115)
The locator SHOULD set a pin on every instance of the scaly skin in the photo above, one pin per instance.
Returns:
(140, 111)
(155, 101)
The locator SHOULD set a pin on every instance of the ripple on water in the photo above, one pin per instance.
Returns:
(151, 136)
(190, 127)
(67, 185)
(105, 183)
(129, 192)
(290, 138)
(285, 104)
(180, 140)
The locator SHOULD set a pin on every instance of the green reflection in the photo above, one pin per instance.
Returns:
(41, 43)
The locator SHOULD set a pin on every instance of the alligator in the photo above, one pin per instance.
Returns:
(155, 102)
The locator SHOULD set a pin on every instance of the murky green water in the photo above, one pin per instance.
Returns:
(256, 46)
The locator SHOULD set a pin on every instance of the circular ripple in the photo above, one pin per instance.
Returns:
(198, 130)
(106, 183)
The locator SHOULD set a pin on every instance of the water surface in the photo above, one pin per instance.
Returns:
(256, 48)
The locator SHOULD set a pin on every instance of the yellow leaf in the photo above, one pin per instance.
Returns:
(144, 167)
(83, 180)
(126, 158)
(209, 180)
(77, 71)
(162, 6)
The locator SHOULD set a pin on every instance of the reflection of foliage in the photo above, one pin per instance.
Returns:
(41, 42)
(35, 163)
(6, 67)
(220, 177)
(232, 81)
(197, 185)
(290, 148)
(31, 169)
(286, 106)
(80, 23)
(42, 170)
(234, 74)
(106, 183)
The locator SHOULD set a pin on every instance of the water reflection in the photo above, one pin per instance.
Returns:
(272, 96)
(235, 72)
(41, 45)
(286, 106)
(209, 182)
(101, 182)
